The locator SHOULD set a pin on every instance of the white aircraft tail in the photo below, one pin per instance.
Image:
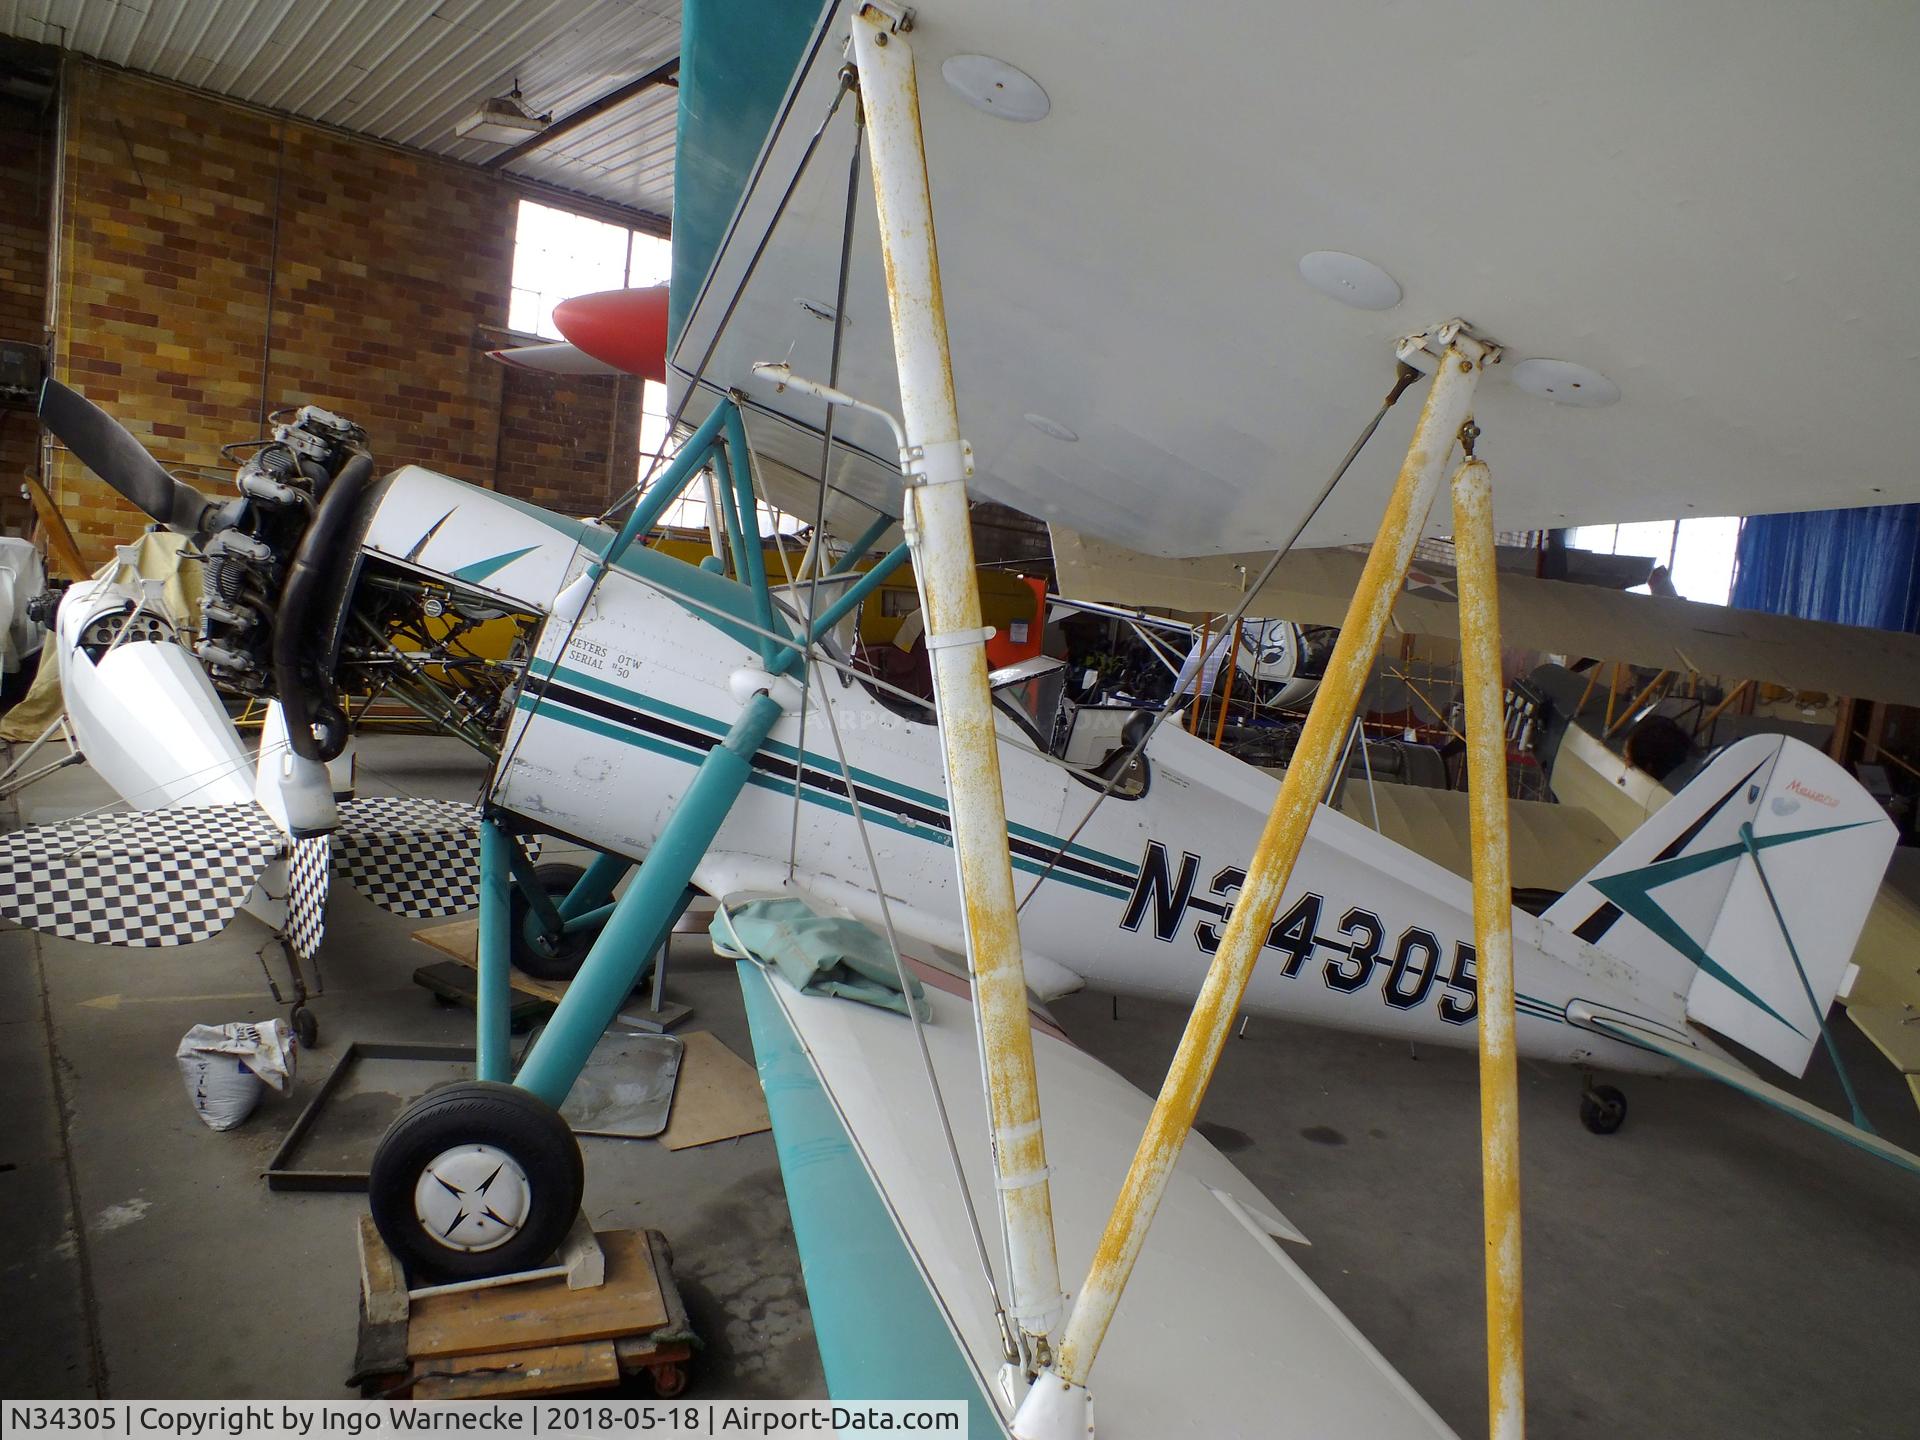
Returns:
(1686, 896)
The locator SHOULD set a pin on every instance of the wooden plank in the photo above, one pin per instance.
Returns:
(460, 940)
(61, 549)
(544, 1370)
(545, 1312)
(718, 1096)
(383, 1286)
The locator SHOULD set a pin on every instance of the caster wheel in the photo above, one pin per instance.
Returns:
(1603, 1109)
(306, 1027)
(669, 1380)
(475, 1179)
(563, 961)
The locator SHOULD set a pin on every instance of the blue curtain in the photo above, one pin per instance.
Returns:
(1853, 567)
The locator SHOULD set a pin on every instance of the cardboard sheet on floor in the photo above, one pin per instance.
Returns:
(544, 1312)
(718, 1096)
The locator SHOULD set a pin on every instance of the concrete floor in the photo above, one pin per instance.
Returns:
(1714, 1269)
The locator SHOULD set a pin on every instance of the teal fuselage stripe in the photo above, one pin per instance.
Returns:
(881, 1330)
(779, 786)
(544, 669)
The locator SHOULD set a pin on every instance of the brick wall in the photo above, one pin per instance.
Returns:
(25, 153)
(569, 442)
(217, 263)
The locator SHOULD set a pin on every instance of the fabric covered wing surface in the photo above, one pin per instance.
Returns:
(1210, 1302)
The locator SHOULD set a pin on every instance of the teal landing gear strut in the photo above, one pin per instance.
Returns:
(482, 1192)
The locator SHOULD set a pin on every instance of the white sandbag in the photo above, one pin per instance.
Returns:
(226, 1066)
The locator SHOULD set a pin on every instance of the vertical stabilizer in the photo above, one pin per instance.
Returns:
(1681, 898)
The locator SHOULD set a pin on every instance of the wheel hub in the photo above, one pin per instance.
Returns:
(472, 1197)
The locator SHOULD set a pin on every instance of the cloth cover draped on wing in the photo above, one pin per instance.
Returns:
(176, 876)
(817, 954)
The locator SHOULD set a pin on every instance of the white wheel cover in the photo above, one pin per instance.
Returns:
(472, 1197)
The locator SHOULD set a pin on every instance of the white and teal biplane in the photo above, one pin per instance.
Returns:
(1114, 310)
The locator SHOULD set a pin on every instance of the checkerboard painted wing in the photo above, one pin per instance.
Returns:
(142, 878)
(418, 858)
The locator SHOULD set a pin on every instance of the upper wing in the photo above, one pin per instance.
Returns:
(1124, 270)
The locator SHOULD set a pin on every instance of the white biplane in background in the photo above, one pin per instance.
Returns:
(711, 728)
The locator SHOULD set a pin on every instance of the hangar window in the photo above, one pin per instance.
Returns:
(1697, 553)
(557, 253)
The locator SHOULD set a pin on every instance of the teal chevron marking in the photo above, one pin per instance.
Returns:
(481, 569)
(1632, 891)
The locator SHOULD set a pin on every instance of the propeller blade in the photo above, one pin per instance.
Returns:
(626, 329)
(109, 450)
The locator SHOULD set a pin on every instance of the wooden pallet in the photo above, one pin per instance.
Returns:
(524, 1339)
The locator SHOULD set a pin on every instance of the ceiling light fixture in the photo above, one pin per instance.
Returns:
(996, 87)
(1350, 280)
(503, 120)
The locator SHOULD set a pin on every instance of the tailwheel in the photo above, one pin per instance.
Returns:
(306, 1025)
(1603, 1109)
(542, 957)
(475, 1179)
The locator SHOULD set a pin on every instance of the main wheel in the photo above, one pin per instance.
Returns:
(1603, 1109)
(562, 960)
(475, 1179)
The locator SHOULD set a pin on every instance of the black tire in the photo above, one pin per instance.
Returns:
(306, 1027)
(1603, 1109)
(506, 1119)
(563, 962)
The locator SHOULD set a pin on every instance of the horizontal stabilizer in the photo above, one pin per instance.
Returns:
(417, 858)
(147, 878)
(1729, 1072)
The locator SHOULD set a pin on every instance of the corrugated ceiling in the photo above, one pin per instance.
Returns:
(407, 70)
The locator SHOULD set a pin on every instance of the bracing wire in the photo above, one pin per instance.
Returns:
(826, 452)
(1010, 1345)
(1404, 377)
